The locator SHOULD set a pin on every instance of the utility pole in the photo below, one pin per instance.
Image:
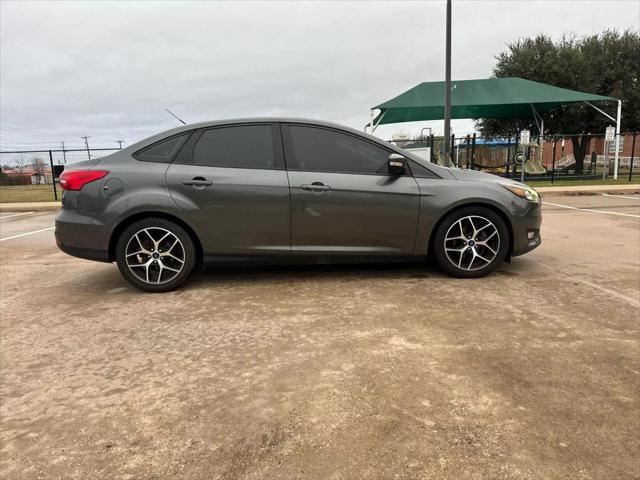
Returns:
(447, 88)
(86, 142)
(64, 153)
(120, 142)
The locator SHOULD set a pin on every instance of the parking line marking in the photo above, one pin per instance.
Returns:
(629, 197)
(25, 234)
(16, 215)
(613, 293)
(591, 210)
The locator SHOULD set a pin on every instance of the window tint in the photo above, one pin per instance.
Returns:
(163, 151)
(322, 150)
(248, 146)
(420, 171)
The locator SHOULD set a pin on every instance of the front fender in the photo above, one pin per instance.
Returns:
(439, 197)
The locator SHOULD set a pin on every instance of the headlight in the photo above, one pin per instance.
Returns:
(526, 193)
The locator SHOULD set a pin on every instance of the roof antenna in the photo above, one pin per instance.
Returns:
(175, 116)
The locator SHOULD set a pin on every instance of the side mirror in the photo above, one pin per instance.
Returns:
(397, 164)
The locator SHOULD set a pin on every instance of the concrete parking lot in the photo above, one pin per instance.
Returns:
(333, 372)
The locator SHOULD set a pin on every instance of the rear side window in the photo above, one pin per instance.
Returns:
(163, 151)
(244, 146)
(323, 150)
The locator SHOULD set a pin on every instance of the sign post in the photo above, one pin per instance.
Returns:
(525, 137)
(609, 135)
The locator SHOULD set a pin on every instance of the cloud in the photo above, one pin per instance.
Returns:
(108, 69)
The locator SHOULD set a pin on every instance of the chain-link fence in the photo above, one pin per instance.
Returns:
(549, 158)
(29, 175)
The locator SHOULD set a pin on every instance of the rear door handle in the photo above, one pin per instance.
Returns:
(198, 182)
(315, 187)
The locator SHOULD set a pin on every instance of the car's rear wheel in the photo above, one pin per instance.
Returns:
(471, 242)
(155, 255)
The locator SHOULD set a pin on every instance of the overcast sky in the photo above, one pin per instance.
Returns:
(108, 69)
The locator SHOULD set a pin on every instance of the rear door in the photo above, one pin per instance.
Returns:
(343, 201)
(230, 181)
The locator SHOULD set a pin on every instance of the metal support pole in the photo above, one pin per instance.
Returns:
(468, 139)
(524, 161)
(541, 139)
(515, 164)
(453, 141)
(64, 154)
(432, 154)
(553, 161)
(605, 170)
(617, 154)
(53, 176)
(473, 152)
(633, 151)
(447, 84)
(508, 162)
(86, 142)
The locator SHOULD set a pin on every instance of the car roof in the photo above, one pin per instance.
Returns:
(307, 121)
(239, 121)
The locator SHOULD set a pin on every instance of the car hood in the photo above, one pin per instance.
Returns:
(476, 176)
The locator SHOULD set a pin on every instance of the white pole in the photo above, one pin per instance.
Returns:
(615, 161)
(370, 122)
(541, 142)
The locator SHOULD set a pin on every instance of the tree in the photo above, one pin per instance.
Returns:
(38, 166)
(605, 64)
(20, 168)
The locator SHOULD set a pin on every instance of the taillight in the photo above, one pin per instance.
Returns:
(76, 179)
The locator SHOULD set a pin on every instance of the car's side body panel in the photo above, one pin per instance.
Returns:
(243, 210)
(364, 214)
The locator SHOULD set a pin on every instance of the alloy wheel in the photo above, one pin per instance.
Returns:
(155, 255)
(472, 243)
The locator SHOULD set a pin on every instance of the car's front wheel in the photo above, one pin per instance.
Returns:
(155, 255)
(471, 242)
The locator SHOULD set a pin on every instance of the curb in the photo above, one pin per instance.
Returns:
(30, 207)
(590, 190)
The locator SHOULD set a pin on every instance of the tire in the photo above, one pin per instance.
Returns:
(155, 255)
(469, 255)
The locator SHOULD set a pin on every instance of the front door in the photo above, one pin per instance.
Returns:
(231, 182)
(343, 201)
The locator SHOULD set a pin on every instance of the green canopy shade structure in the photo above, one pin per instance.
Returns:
(485, 98)
(489, 98)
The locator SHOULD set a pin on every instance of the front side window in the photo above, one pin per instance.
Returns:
(245, 146)
(163, 151)
(323, 150)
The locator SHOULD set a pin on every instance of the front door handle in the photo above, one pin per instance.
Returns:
(198, 182)
(315, 187)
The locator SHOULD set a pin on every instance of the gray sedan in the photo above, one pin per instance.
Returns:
(286, 190)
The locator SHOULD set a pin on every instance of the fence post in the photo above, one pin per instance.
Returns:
(451, 145)
(553, 160)
(468, 142)
(633, 151)
(508, 162)
(515, 164)
(473, 152)
(432, 153)
(53, 176)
